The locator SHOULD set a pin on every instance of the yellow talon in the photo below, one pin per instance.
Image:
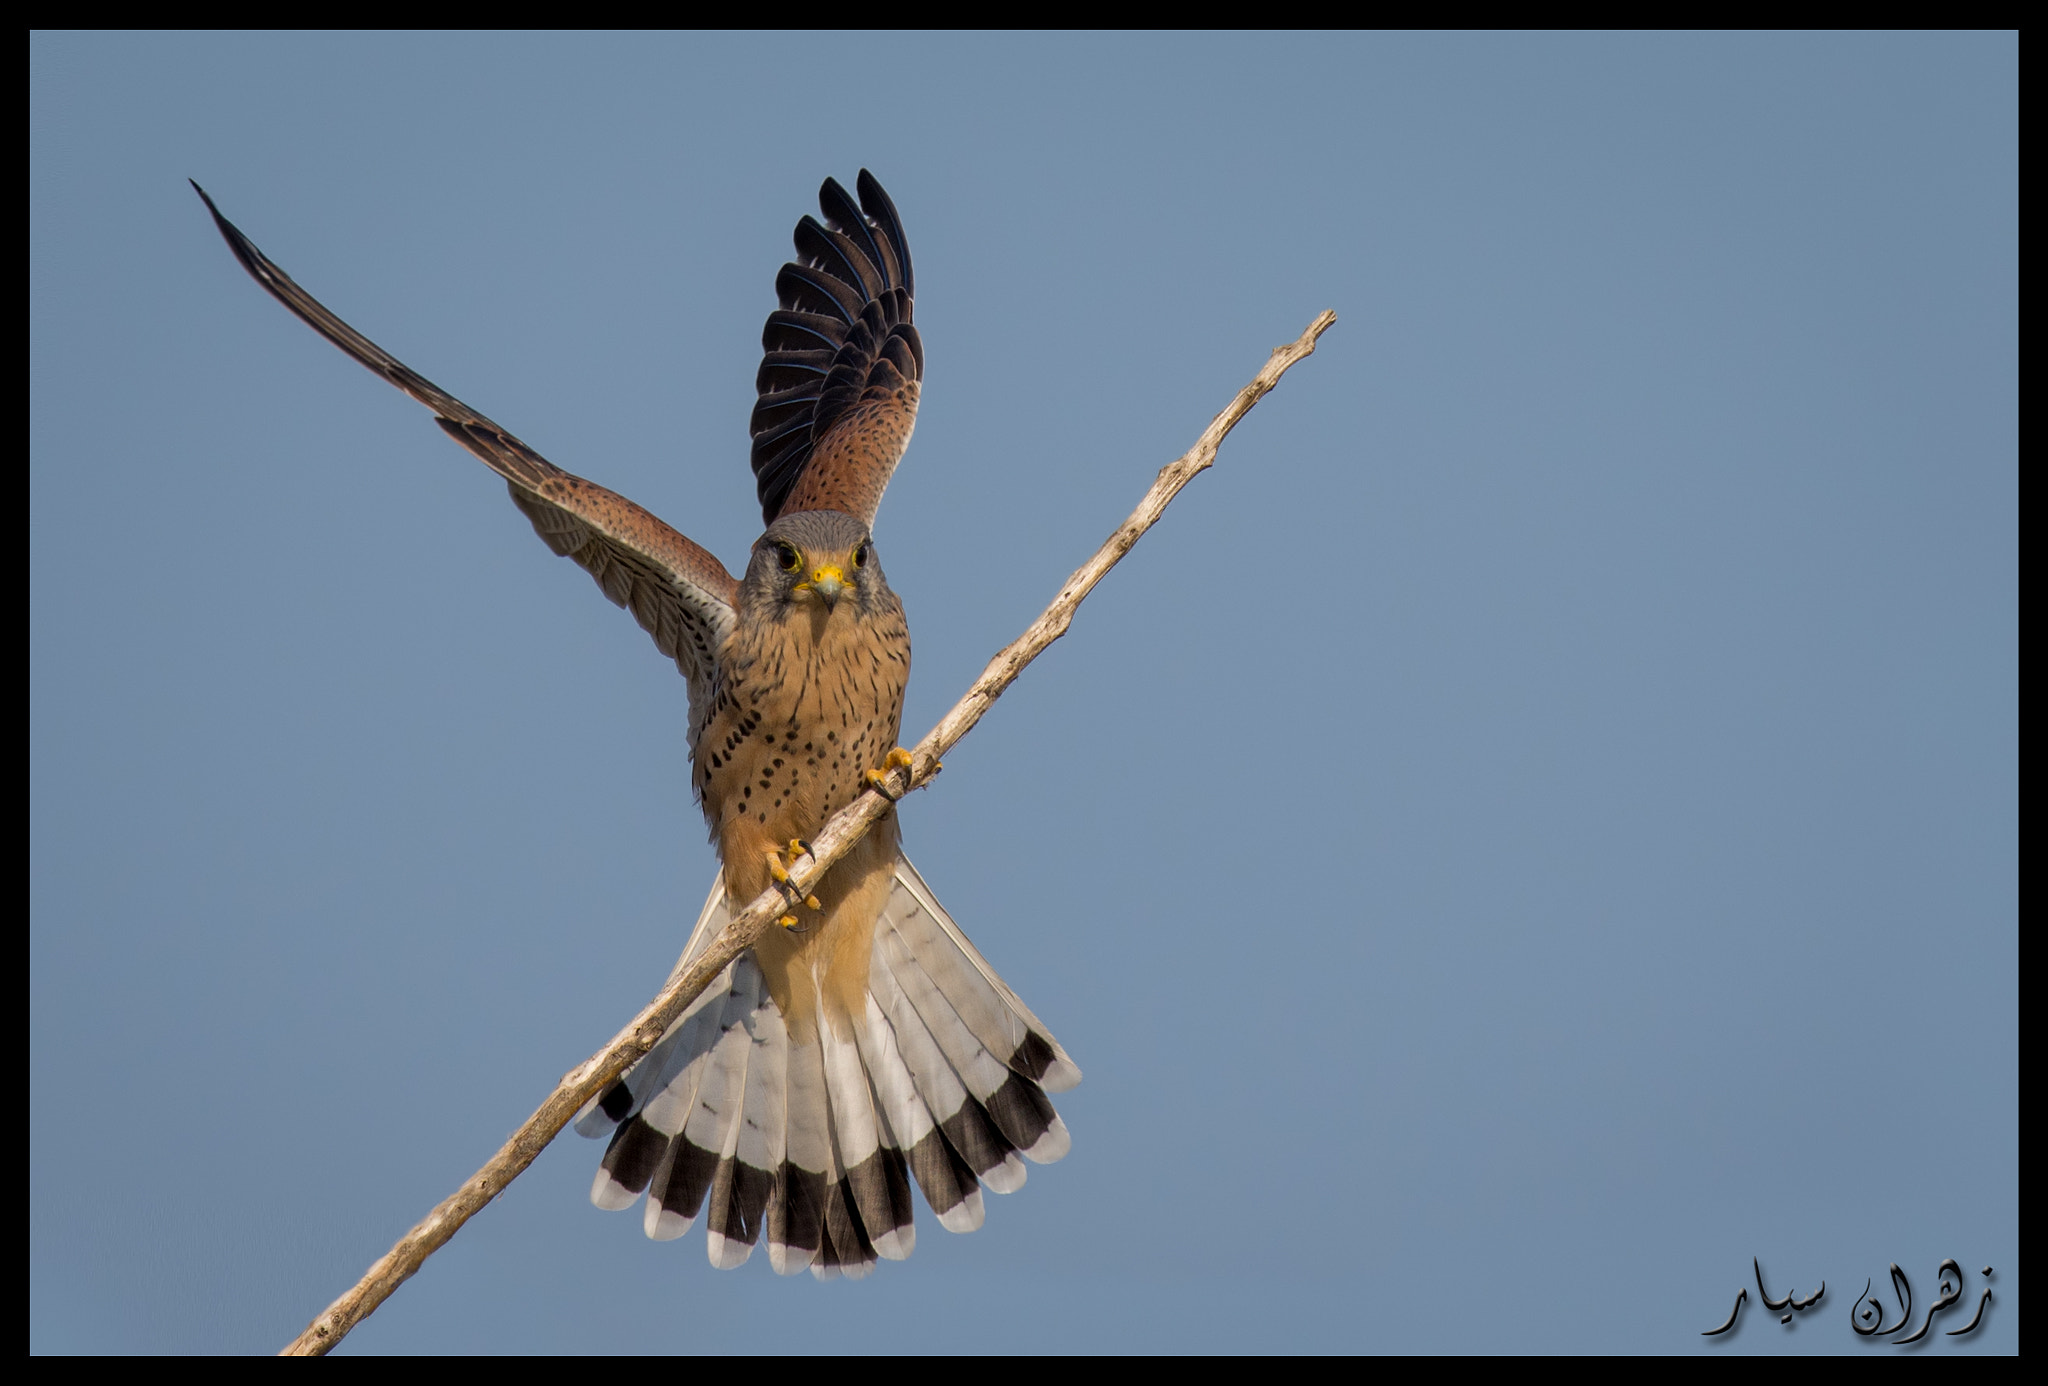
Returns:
(780, 874)
(788, 921)
(878, 780)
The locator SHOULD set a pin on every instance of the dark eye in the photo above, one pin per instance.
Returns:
(788, 557)
(860, 556)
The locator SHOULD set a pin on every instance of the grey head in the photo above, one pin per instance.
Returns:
(821, 559)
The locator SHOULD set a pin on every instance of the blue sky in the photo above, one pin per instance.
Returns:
(1535, 827)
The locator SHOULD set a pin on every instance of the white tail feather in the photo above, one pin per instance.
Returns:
(652, 1071)
(1063, 1073)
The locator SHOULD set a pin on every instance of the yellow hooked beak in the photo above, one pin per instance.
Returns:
(828, 582)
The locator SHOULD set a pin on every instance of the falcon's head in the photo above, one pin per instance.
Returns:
(820, 559)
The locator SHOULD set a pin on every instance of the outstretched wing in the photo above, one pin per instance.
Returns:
(840, 376)
(678, 592)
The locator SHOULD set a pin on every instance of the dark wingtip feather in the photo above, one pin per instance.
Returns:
(204, 198)
(244, 249)
(844, 215)
(877, 204)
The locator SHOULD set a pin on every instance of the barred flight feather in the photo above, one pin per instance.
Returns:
(842, 337)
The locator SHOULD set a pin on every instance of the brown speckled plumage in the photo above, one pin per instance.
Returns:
(845, 471)
(808, 696)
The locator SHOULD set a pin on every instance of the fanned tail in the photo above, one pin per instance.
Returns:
(816, 1139)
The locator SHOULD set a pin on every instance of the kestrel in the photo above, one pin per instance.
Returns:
(866, 1042)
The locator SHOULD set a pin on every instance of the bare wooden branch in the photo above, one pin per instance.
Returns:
(594, 1074)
